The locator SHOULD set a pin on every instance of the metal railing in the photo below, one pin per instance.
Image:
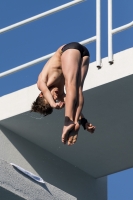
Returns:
(113, 31)
(44, 14)
(96, 38)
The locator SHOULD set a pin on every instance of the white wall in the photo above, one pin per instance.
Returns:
(52, 169)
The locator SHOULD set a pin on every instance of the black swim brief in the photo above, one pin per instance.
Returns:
(75, 45)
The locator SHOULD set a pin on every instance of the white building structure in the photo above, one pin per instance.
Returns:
(76, 172)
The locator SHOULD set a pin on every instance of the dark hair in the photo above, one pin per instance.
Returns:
(41, 106)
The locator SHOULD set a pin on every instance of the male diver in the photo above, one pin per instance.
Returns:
(67, 67)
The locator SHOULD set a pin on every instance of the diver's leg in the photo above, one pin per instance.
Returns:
(72, 138)
(84, 70)
(71, 61)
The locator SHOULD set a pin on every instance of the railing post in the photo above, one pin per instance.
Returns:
(98, 33)
(110, 45)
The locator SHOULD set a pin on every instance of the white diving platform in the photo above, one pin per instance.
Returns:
(108, 105)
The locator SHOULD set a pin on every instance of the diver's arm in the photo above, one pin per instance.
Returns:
(46, 93)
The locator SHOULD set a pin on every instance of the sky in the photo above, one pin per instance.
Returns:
(45, 35)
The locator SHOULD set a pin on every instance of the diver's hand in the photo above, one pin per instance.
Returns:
(59, 105)
(89, 127)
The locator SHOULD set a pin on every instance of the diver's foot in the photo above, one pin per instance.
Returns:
(69, 125)
(73, 136)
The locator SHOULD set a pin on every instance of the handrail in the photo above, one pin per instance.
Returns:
(41, 59)
(96, 38)
(44, 14)
(122, 28)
